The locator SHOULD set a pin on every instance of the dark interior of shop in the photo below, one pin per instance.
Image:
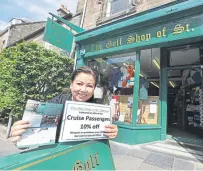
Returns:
(184, 88)
(184, 94)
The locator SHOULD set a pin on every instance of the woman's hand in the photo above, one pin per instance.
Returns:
(18, 129)
(111, 131)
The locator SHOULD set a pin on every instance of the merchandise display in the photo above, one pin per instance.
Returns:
(115, 85)
(193, 108)
(148, 110)
(201, 107)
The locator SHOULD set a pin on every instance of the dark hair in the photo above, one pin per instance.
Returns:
(86, 70)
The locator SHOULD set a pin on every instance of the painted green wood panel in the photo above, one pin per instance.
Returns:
(136, 89)
(145, 19)
(91, 155)
(58, 36)
(190, 27)
(137, 136)
(164, 92)
(142, 126)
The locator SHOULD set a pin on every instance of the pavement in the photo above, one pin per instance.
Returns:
(7, 147)
(161, 155)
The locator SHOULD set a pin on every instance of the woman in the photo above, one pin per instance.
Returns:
(83, 82)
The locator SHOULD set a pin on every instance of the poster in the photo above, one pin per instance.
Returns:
(153, 108)
(84, 121)
(44, 118)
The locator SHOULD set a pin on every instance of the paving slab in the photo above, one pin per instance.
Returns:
(119, 150)
(128, 163)
(182, 165)
(174, 151)
(140, 154)
(148, 167)
(7, 147)
(160, 161)
(198, 166)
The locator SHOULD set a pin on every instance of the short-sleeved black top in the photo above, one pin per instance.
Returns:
(61, 99)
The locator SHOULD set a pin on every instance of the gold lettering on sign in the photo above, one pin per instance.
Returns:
(78, 165)
(178, 29)
(187, 27)
(164, 32)
(115, 43)
(96, 47)
(97, 158)
(158, 34)
(130, 39)
(161, 33)
(138, 38)
(93, 48)
(92, 161)
(143, 37)
(109, 44)
(88, 165)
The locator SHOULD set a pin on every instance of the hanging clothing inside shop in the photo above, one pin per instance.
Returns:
(115, 75)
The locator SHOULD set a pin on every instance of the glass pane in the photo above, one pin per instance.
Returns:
(148, 106)
(116, 81)
(119, 5)
(184, 57)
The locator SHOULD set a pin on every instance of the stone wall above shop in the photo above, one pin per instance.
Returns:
(98, 11)
(149, 4)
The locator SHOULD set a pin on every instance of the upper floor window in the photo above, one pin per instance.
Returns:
(116, 6)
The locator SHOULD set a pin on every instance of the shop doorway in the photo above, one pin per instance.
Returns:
(184, 98)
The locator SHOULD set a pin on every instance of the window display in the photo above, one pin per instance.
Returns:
(115, 84)
(148, 110)
(148, 105)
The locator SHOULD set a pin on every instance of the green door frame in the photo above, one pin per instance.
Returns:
(163, 93)
(136, 89)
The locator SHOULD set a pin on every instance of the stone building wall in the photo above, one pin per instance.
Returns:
(3, 39)
(149, 4)
(97, 10)
(21, 31)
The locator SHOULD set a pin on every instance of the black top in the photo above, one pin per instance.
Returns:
(61, 99)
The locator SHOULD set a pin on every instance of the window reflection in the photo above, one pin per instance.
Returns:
(148, 105)
(115, 84)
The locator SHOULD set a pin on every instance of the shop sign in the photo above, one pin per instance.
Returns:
(185, 28)
(58, 36)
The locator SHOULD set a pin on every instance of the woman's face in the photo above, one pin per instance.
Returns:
(82, 88)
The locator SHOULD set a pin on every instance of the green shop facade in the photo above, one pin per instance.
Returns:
(149, 67)
(136, 57)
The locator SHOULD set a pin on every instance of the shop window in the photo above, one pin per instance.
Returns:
(115, 84)
(148, 106)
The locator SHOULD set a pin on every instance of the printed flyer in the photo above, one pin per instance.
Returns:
(44, 118)
(84, 121)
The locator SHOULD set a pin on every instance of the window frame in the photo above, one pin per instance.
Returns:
(109, 9)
